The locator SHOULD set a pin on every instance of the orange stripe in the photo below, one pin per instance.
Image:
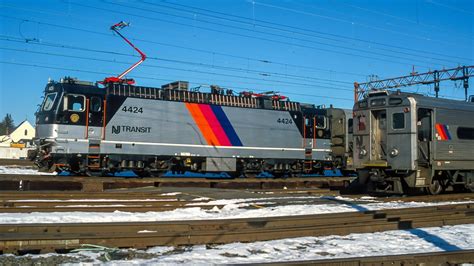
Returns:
(441, 132)
(202, 123)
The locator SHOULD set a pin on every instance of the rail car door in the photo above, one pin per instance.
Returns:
(338, 132)
(424, 135)
(379, 135)
(401, 136)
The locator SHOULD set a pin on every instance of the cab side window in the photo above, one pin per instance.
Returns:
(74, 102)
(320, 122)
(95, 104)
(398, 121)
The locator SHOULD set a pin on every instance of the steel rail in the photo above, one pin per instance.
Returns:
(99, 206)
(21, 238)
(427, 258)
(16, 162)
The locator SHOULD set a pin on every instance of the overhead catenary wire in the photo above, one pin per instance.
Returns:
(213, 66)
(352, 22)
(188, 25)
(351, 54)
(302, 31)
(194, 81)
(165, 80)
(466, 11)
(178, 69)
(416, 22)
(213, 73)
(213, 53)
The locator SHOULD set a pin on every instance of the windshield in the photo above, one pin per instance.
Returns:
(49, 101)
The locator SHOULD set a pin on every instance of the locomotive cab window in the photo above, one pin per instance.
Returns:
(398, 121)
(74, 102)
(320, 121)
(95, 104)
(49, 101)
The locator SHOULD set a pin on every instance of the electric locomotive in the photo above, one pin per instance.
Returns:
(407, 141)
(89, 129)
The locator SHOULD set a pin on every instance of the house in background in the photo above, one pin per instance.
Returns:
(16, 144)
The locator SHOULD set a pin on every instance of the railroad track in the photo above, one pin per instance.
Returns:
(12, 206)
(30, 201)
(16, 162)
(428, 258)
(13, 182)
(24, 238)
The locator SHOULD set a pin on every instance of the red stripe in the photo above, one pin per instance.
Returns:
(203, 125)
(441, 133)
(215, 125)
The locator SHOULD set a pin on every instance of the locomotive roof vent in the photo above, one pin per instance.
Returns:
(177, 85)
(376, 93)
(71, 80)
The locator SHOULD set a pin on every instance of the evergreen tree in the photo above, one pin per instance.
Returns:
(7, 125)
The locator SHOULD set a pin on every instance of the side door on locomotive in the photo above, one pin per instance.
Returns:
(82, 111)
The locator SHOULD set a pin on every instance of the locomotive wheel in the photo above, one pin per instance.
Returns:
(157, 173)
(142, 173)
(435, 188)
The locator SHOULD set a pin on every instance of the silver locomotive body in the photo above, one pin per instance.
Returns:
(408, 142)
(86, 129)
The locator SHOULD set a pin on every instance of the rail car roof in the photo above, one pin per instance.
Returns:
(441, 102)
(431, 102)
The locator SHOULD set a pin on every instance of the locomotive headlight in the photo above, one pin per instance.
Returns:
(394, 152)
(362, 152)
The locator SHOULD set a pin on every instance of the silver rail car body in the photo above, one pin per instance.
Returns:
(408, 141)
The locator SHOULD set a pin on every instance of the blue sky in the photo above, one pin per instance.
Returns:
(310, 51)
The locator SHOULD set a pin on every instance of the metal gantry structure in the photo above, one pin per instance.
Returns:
(432, 77)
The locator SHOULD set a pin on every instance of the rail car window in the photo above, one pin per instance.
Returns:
(74, 102)
(465, 133)
(350, 126)
(360, 121)
(395, 101)
(362, 104)
(398, 121)
(49, 101)
(377, 102)
(96, 104)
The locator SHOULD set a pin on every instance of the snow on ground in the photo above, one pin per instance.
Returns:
(235, 208)
(171, 194)
(328, 247)
(446, 238)
(21, 171)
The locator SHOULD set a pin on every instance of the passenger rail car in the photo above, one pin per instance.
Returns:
(406, 141)
(86, 129)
